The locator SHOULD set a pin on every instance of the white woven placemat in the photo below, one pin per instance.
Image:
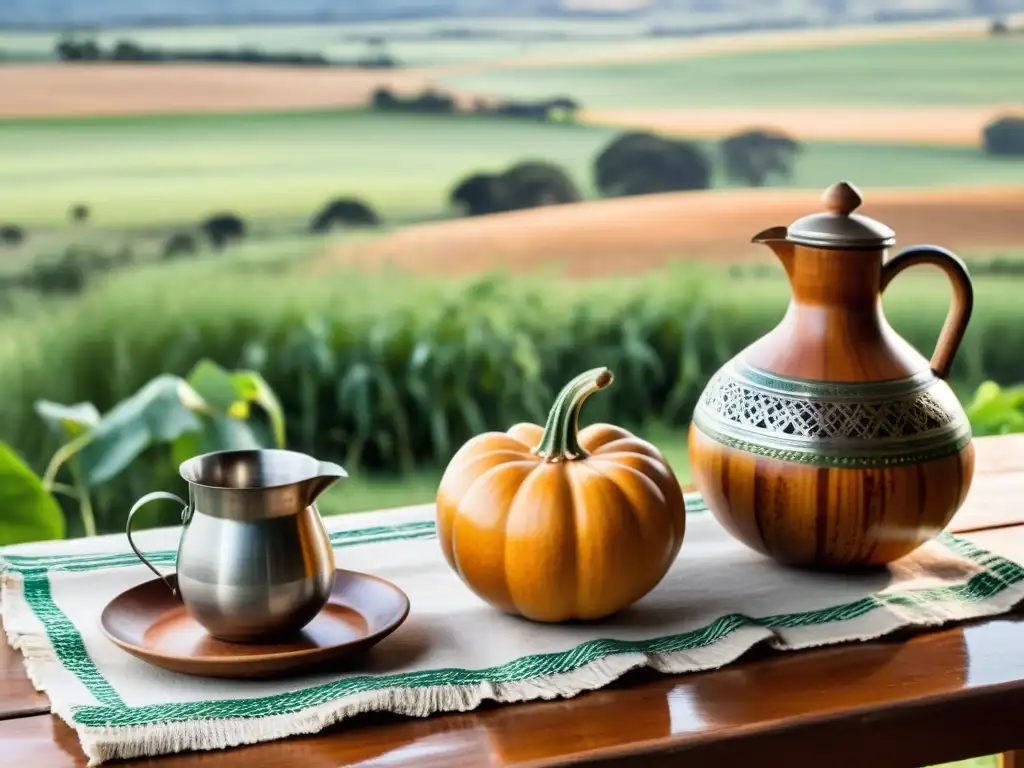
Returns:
(454, 651)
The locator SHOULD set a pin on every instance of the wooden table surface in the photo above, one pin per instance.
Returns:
(903, 701)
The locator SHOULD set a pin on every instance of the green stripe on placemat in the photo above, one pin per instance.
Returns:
(1001, 575)
(111, 711)
(34, 566)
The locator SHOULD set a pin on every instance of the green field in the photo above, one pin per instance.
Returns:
(973, 71)
(157, 170)
(168, 170)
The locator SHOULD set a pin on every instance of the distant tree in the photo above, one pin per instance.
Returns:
(433, 100)
(535, 110)
(1004, 137)
(384, 98)
(531, 184)
(343, 212)
(222, 229)
(430, 100)
(127, 50)
(563, 108)
(752, 157)
(639, 163)
(11, 234)
(998, 27)
(79, 212)
(64, 275)
(480, 194)
(69, 49)
(179, 244)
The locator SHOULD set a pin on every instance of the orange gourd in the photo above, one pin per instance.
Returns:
(559, 523)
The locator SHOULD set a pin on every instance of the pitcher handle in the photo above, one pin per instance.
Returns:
(959, 310)
(154, 496)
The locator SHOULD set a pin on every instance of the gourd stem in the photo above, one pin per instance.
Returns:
(560, 441)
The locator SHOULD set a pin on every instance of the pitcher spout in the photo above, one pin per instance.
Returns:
(775, 238)
(328, 473)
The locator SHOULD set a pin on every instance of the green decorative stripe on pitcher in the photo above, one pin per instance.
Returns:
(876, 424)
(867, 390)
(816, 457)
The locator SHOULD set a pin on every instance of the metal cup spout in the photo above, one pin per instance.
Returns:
(328, 474)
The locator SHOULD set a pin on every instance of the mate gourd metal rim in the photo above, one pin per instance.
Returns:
(839, 227)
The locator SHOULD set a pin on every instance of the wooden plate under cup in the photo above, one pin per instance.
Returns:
(150, 623)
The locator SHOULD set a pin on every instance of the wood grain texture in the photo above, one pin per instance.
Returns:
(960, 309)
(810, 512)
(817, 516)
(834, 329)
(18, 697)
(905, 703)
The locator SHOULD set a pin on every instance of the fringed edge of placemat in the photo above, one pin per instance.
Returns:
(103, 743)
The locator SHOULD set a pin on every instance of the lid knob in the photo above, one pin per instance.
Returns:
(842, 198)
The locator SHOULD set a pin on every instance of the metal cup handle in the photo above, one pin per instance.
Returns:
(155, 496)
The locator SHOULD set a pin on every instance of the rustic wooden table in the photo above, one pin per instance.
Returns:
(902, 702)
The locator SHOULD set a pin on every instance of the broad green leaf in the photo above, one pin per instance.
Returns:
(1015, 396)
(251, 388)
(68, 421)
(27, 511)
(220, 435)
(191, 399)
(154, 414)
(229, 435)
(994, 411)
(214, 385)
(185, 446)
(239, 410)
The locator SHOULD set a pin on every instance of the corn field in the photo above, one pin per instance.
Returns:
(390, 372)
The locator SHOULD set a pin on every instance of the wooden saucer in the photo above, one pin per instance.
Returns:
(153, 625)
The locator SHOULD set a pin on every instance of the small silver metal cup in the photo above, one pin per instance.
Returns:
(254, 560)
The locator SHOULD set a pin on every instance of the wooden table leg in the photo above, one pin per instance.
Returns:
(1013, 759)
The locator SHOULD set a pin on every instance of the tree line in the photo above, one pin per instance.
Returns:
(68, 271)
(634, 163)
(71, 49)
(432, 101)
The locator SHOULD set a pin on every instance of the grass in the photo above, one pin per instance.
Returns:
(965, 71)
(166, 170)
(178, 168)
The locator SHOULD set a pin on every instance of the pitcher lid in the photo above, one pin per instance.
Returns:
(839, 227)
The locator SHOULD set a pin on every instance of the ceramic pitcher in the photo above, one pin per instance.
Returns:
(831, 442)
(254, 560)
